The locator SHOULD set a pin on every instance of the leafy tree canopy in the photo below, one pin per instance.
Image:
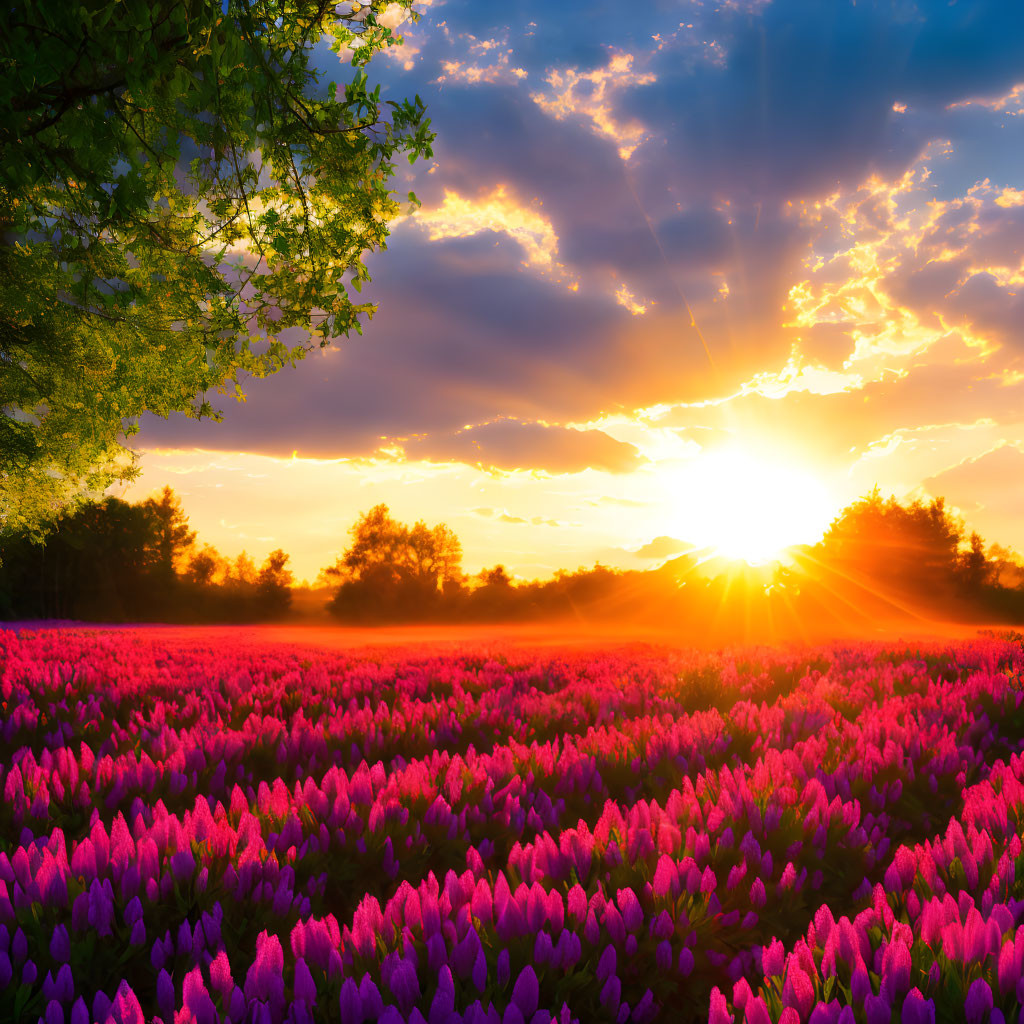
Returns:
(178, 188)
(384, 549)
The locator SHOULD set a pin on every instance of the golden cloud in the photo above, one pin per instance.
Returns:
(462, 217)
(588, 95)
(625, 298)
(1012, 102)
(894, 270)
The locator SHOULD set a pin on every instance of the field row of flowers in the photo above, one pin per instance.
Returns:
(245, 833)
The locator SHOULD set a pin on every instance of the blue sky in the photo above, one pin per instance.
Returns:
(653, 235)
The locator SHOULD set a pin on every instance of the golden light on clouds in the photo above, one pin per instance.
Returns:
(1013, 102)
(500, 69)
(588, 95)
(462, 217)
(625, 298)
(888, 265)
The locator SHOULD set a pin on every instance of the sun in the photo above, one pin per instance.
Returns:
(747, 507)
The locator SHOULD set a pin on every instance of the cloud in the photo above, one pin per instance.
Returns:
(895, 270)
(497, 211)
(778, 158)
(988, 489)
(497, 67)
(587, 95)
(1012, 102)
(625, 298)
(511, 444)
(662, 547)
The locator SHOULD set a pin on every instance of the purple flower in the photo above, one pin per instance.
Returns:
(54, 1013)
(663, 955)
(60, 945)
(685, 962)
(305, 987)
(19, 948)
(442, 1007)
(405, 985)
(6, 971)
(512, 1015)
(101, 908)
(79, 1012)
(877, 1009)
(184, 939)
(611, 995)
(526, 992)
(373, 1004)
(65, 985)
(480, 970)
(606, 963)
(978, 1002)
(350, 1005)
(917, 1009)
(100, 1006)
(165, 997)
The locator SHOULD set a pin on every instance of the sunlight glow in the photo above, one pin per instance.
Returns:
(750, 508)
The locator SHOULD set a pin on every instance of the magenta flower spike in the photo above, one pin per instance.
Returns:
(125, 1008)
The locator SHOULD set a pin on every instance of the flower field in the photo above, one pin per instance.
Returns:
(200, 832)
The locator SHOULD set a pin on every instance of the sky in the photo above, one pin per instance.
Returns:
(681, 269)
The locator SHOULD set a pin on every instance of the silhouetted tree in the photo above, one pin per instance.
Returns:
(111, 560)
(204, 565)
(390, 571)
(170, 533)
(274, 584)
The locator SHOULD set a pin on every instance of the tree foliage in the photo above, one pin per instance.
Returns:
(178, 189)
(114, 561)
(391, 570)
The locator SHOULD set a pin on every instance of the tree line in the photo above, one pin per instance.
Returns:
(113, 560)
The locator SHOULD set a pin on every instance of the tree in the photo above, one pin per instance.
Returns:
(435, 554)
(171, 535)
(976, 571)
(177, 189)
(379, 545)
(204, 565)
(274, 584)
(497, 577)
(392, 571)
